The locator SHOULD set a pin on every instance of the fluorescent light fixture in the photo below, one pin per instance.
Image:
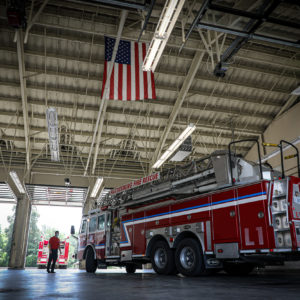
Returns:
(162, 33)
(174, 146)
(52, 121)
(296, 91)
(14, 176)
(96, 187)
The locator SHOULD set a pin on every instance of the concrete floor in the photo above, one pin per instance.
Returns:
(116, 284)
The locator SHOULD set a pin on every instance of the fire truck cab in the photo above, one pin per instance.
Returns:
(219, 213)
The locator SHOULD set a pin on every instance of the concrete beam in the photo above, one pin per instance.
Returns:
(203, 123)
(217, 133)
(163, 73)
(192, 92)
(116, 147)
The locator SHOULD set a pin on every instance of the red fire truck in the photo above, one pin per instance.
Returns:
(43, 254)
(218, 213)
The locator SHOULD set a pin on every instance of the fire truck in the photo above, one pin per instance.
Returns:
(220, 212)
(43, 254)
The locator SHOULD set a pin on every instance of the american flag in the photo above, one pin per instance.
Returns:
(128, 81)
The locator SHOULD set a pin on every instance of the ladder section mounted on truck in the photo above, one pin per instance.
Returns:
(210, 173)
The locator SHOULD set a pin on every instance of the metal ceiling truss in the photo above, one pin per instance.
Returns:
(137, 125)
(256, 20)
(161, 87)
(107, 135)
(134, 5)
(161, 102)
(203, 123)
(274, 60)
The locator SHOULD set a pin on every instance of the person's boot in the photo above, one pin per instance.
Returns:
(48, 270)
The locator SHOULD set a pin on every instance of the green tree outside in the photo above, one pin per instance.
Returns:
(3, 253)
(33, 239)
(35, 236)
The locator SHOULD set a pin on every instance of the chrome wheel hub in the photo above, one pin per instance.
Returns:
(187, 257)
(160, 258)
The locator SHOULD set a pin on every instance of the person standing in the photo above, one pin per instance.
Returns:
(54, 246)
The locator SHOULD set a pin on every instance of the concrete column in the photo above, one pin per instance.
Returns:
(19, 241)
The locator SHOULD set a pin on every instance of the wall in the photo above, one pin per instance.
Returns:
(287, 127)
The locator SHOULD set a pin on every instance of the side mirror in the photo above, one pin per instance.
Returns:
(72, 229)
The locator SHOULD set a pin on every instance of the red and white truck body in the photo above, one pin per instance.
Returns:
(233, 221)
(43, 254)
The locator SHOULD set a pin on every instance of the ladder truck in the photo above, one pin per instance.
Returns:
(221, 212)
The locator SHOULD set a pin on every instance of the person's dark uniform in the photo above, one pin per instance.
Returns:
(54, 246)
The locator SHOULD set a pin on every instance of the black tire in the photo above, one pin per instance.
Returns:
(236, 269)
(189, 258)
(130, 268)
(90, 262)
(162, 258)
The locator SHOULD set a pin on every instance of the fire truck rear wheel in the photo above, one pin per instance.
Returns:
(162, 258)
(238, 269)
(189, 258)
(90, 261)
(130, 268)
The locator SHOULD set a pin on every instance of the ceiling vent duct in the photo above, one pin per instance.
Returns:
(52, 121)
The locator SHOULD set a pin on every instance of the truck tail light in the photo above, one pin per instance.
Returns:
(220, 250)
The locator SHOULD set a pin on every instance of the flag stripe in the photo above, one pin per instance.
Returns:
(120, 82)
(137, 77)
(145, 74)
(124, 83)
(116, 77)
(129, 82)
(133, 94)
(111, 84)
(149, 78)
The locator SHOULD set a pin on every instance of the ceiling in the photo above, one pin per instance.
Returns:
(63, 68)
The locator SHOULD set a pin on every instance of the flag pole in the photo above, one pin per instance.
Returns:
(103, 103)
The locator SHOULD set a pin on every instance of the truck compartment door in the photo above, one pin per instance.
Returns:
(253, 216)
(224, 217)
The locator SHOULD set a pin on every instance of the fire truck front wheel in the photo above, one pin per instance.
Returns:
(90, 261)
(189, 258)
(162, 258)
(130, 268)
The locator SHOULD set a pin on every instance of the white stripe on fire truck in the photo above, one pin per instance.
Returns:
(224, 203)
(99, 247)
